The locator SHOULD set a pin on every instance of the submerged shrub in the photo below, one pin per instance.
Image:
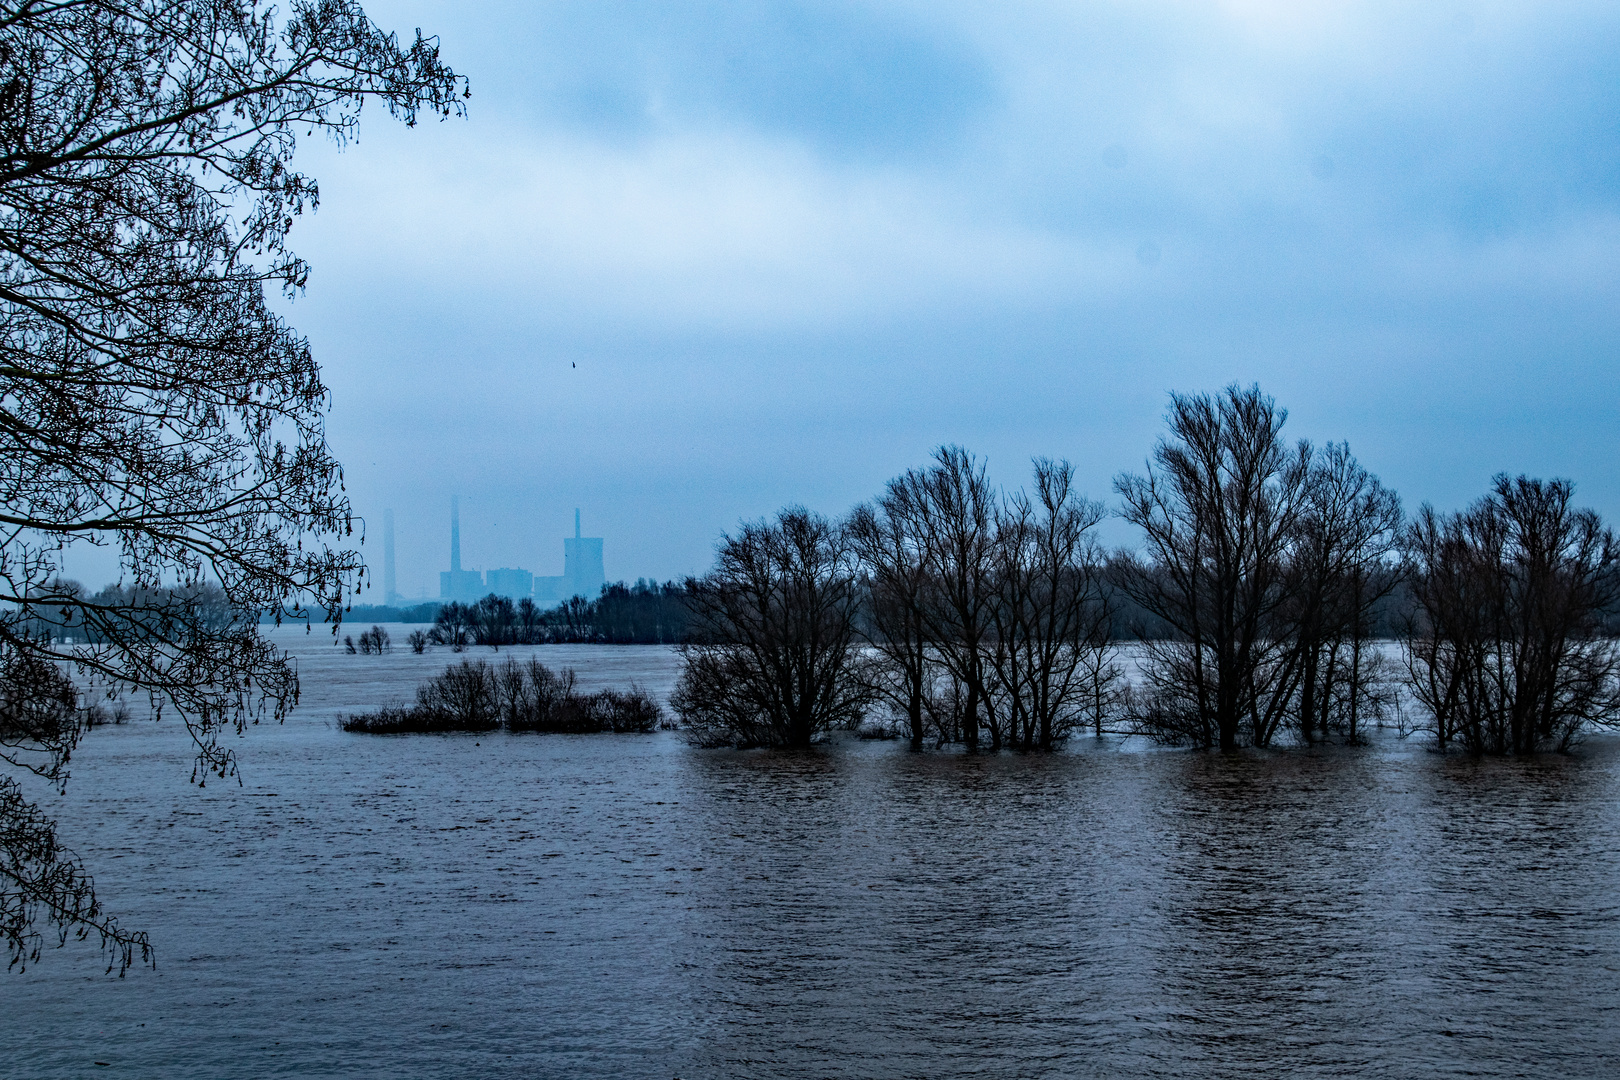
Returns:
(466, 696)
(632, 711)
(536, 698)
(398, 720)
(375, 640)
(529, 696)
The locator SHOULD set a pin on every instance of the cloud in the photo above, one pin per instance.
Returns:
(721, 229)
(851, 79)
(793, 245)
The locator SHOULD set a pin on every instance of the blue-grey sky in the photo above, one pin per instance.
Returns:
(793, 245)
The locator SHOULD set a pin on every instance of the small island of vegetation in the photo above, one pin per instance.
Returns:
(478, 696)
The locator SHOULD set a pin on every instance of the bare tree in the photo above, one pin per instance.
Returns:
(375, 640)
(1104, 691)
(574, 619)
(494, 621)
(528, 621)
(986, 616)
(453, 626)
(889, 542)
(775, 651)
(955, 509)
(1218, 509)
(1349, 528)
(1050, 618)
(150, 400)
(1505, 647)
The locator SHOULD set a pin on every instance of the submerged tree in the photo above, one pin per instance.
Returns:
(773, 656)
(150, 400)
(494, 621)
(1265, 568)
(1342, 570)
(986, 614)
(956, 518)
(1218, 509)
(888, 540)
(1050, 617)
(1505, 645)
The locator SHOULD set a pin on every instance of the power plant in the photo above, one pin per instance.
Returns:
(582, 571)
(467, 586)
(582, 575)
(390, 593)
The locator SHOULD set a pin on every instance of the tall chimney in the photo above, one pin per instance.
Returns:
(455, 534)
(388, 557)
(576, 523)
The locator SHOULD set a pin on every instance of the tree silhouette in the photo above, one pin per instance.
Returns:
(149, 398)
(773, 663)
(1505, 647)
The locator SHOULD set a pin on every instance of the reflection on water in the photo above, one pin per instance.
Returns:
(628, 906)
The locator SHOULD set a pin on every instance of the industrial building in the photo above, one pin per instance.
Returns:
(582, 575)
(466, 586)
(390, 593)
(582, 571)
(514, 583)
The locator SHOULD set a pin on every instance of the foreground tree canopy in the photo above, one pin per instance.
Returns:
(149, 398)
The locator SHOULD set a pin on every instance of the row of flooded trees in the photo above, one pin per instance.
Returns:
(971, 616)
(1257, 609)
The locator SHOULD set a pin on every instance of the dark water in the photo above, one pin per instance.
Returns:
(627, 906)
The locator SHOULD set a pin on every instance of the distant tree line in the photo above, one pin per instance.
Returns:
(68, 613)
(424, 612)
(655, 613)
(1268, 575)
(646, 613)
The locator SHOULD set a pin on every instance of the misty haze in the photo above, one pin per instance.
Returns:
(809, 538)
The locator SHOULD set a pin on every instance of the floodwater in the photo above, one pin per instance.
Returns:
(628, 906)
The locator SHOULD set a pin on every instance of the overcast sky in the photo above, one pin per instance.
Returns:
(687, 262)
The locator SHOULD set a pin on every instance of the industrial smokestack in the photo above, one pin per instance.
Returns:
(576, 523)
(455, 534)
(389, 591)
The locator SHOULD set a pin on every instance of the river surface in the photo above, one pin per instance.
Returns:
(628, 906)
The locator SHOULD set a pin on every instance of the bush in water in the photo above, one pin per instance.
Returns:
(475, 696)
(376, 641)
